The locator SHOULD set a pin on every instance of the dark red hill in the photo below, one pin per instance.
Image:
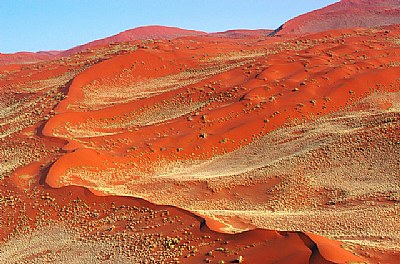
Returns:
(345, 14)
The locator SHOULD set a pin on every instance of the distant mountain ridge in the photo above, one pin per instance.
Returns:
(340, 15)
(139, 33)
(344, 14)
(26, 57)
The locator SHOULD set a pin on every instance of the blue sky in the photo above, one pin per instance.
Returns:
(57, 25)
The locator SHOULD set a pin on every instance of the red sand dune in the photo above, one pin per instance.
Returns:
(345, 14)
(128, 118)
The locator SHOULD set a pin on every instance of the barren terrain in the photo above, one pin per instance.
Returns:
(224, 138)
